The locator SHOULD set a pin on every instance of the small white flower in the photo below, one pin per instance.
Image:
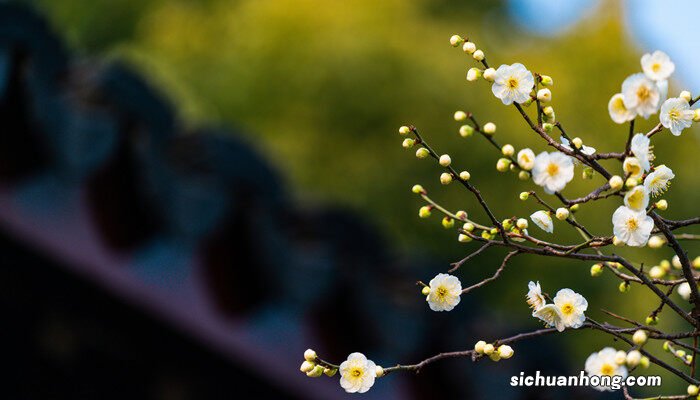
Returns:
(632, 227)
(444, 292)
(633, 167)
(642, 150)
(657, 65)
(357, 373)
(534, 296)
(658, 181)
(641, 95)
(637, 198)
(676, 115)
(571, 306)
(550, 314)
(684, 291)
(553, 171)
(618, 112)
(587, 150)
(543, 220)
(513, 83)
(603, 363)
(526, 159)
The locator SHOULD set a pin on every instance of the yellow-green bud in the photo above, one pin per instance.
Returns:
(656, 242)
(508, 150)
(574, 208)
(468, 227)
(521, 223)
(330, 372)
(478, 55)
(680, 353)
(486, 235)
(448, 222)
(639, 337)
(696, 115)
(617, 242)
(404, 130)
(306, 366)
(310, 355)
(445, 160)
(587, 173)
(548, 127)
(657, 272)
(548, 111)
(631, 182)
(445, 178)
(685, 95)
(495, 356)
(424, 212)
(652, 320)
(502, 165)
(460, 116)
(456, 40)
(465, 176)
(474, 74)
(507, 224)
(596, 270)
(616, 182)
(665, 264)
(696, 262)
(505, 351)
(546, 80)
(488, 349)
(562, 213)
(666, 346)
(661, 204)
(624, 287)
(479, 346)
(417, 189)
(316, 372)
(693, 390)
(469, 47)
(676, 262)
(461, 215)
(408, 143)
(466, 131)
(523, 175)
(644, 362)
(462, 238)
(425, 291)
(544, 95)
(489, 128)
(379, 371)
(577, 142)
(524, 196)
(422, 153)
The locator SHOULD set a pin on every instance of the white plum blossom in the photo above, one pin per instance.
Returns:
(543, 220)
(445, 291)
(526, 159)
(633, 167)
(553, 171)
(658, 181)
(657, 65)
(357, 373)
(637, 198)
(587, 150)
(534, 296)
(551, 316)
(676, 115)
(641, 95)
(618, 112)
(642, 150)
(603, 363)
(684, 291)
(571, 306)
(513, 83)
(632, 227)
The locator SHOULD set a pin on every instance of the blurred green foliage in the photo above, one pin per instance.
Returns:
(323, 86)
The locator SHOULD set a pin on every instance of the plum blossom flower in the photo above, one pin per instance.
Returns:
(571, 306)
(357, 373)
(587, 150)
(603, 363)
(676, 115)
(641, 95)
(658, 181)
(618, 112)
(553, 171)
(534, 296)
(633, 167)
(543, 220)
(657, 66)
(445, 291)
(632, 227)
(513, 83)
(551, 316)
(642, 150)
(526, 159)
(637, 198)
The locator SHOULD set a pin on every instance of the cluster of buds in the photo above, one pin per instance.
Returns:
(502, 352)
(312, 368)
(680, 355)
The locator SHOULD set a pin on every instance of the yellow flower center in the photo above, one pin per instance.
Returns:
(632, 224)
(674, 114)
(656, 67)
(441, 292)
(356, 372)
(643, 92)
(567, 309)
(607, 369)
(512, 83)
(552, 169)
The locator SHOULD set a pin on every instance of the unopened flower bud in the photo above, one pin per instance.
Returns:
(445, 160)
(684, 291)
(473, 74)
(469, 47)
(524, 196)
(631, 182)
(479, 346)
(523, 175)
(417, 189)
(546, 80)
(548, 127)
(562, 213)
(587, 173)
(665, 264)
(639, 337)
(617, 242)
(379, 371)
(652, 320)
(310, 355)
(685, 95)
(661, 204)
(465, 131)
(633, 359)
(306, 366)
(478, 55)
(462, 238)
(616, 182)
(408, 143)
(425, 291)
(456, 40)
(596, 270)
(548, 111)
(502, 165)
(657, 272)
(490, 74)
(424, 212)
(316, 372)
(624, 287)
(676, 262)
(422, 153)
(521, 223)
(505, 351)
(488, 349)
(680, 353)
(666, 346)
(577, 142)
(693, 390)
(445, 178)
(404, 130)
(468, 227)
(460, 116)
(495, 356)
(644, 362)
(465, 176)
(544, 95)
(696, 115)
(461, 215)
(508, 150)
(489, 128)
(620, 357)
(696, 262)
(330, 372)
(448, 222)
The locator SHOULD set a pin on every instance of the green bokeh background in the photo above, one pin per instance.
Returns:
(321, 88)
